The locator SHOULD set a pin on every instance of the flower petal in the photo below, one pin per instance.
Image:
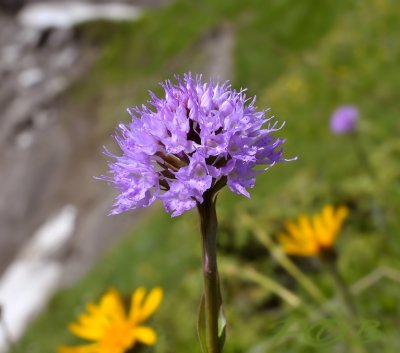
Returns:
(111, 305)
(145, 335)
(136, 304)
(295, 247)
(92, 325)
(86, 332)
(210, 132)
(151, 303)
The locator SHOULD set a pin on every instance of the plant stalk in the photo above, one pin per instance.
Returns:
(329, 261)
(212, 294)
(376, 211)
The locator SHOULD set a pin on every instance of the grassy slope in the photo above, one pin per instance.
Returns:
(303, 59)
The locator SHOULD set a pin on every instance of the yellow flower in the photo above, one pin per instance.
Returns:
(311, 236)
(111, 329)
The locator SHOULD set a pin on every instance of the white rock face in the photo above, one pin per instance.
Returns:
(30, 77)
(66, 14)
(33, 277)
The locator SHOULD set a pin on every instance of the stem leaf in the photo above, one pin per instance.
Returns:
(221, 328)
(201, 325)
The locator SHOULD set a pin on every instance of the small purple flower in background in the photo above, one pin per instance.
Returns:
(200, 137)
(344, 120)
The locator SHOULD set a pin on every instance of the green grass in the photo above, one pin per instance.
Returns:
(302, 58)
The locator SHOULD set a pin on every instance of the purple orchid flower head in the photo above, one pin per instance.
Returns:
(344, 120)
(197, 139)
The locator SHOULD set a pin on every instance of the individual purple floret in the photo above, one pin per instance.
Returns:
(344, 120)
(200, 137)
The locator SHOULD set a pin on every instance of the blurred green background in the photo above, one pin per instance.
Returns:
(302, 59)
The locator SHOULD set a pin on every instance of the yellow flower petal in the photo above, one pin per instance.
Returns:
(306, 227)
(112, 306)
(86, 320)
(92, 325)
(297, 247)
(323, 235)
(339, 217)
(309, 236)
(328, 215)
(112, 329)
(151, 303)
(145, 335)
(293, 230)
(136, 304)
(299, 251)
(341, 213)
(91, 333)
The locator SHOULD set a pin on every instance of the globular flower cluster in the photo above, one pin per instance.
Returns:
(197, 139)
(344, 120)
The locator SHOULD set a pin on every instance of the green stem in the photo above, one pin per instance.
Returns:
(376, 211)
(363, 157)
(289, 266)
(282, 258)
(212, 294)
(329, 260)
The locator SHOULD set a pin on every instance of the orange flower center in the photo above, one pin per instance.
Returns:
(118, 337)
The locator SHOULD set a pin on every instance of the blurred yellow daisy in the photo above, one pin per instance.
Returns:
(311, 236)
(111, 328)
